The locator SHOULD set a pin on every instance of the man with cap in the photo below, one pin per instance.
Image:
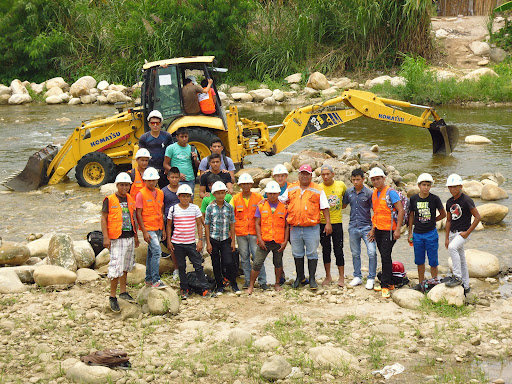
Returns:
(156, 141)
(305, 200)
(385, 231)
(189, 91)
(334, 190)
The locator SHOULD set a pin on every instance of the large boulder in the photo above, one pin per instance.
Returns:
(102, 259)
(79, 88)
(237, 89)
(239, 337)
(332, 357)
(17, 88)
(453, 296)
(498, 55)
(492, 213)
(61, 252)
(4, 99)
(57, 82)
(260, 94)
(472, 188)
(46, 275)
(275, 368)
(18, 99)
(85, 275)
(54, 100)
(108, 189)
(37, 88)
(162, 301)
(55, 91)
(408, 298)
(79, 372)
(278, 95)
(310, 92)
(494, 176)
(102, 85)
(39, 247)
(4, 90)
(84, 254)
(480, 263)
(117, 96)
(318, 81)
(480, 48)
(10, 282)
(295, 78)
(478, 73)
(12, 253)
(477, 139)
(243, 97)
(88, 80)
(492, 192)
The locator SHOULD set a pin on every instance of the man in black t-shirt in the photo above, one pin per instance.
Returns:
(423, 215)
(459, 210)
(215, 161)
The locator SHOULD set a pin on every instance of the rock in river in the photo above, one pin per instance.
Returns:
(480, 263)
(12, 253)
(61, 252)
(492, 213)
(477, 139)
(492, 192)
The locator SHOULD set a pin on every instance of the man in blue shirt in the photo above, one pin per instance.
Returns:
(360, 199)
(156, 141)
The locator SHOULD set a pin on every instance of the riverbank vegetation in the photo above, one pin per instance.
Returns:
(110, 39)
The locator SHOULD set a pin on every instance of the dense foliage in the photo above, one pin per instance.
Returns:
(110, 39)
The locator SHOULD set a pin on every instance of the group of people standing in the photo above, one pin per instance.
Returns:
(157, 198)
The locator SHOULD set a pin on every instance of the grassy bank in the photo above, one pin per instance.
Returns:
(110, 39)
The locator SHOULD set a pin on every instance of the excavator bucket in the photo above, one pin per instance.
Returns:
(444, 137)
(34, 173)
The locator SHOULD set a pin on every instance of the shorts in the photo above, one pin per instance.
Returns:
(122, 257)
(426, 243)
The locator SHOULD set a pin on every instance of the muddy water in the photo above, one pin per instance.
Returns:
(25, 129)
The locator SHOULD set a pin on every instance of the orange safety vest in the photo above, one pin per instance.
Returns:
(206, 102)
(152, 215)
(115, 215)
(304, 211)
(245, 223)
(137, 184)
(273, 224)
(382, 218)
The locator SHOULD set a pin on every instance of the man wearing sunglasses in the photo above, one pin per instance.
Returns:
(155, 141)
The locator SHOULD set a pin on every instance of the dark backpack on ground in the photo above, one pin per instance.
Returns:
(95, 238)
(195, 286)
(427, 285)
(398, 280)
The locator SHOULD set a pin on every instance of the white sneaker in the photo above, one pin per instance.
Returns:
(370, 283)
(356, 281)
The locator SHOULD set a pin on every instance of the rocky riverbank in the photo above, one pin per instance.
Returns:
(54, 309)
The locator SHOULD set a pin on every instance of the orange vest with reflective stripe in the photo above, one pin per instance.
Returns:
(304, 211)
(152, 215)
(115, 215)
(245, 223)
(273, 224)
(137, 184)
(382, 218)
(206, 102)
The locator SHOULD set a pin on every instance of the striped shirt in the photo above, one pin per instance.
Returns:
(219, 219)
(184, 221)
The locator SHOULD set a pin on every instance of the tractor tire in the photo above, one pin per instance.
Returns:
(202, 139)
(94, 170)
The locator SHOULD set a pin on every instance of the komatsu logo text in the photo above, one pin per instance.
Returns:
(106, 139)
(391, 118)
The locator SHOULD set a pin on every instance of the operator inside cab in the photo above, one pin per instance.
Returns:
(190, 92)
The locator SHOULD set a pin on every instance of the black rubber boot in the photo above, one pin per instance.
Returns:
(299, 269)
(312, 271)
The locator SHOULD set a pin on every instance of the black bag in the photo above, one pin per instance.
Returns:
(195, 286)
(95, 238)
(397, 281)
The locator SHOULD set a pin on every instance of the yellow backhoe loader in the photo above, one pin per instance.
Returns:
(100, 149)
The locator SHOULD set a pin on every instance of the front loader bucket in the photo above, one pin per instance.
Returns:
(444, 137)
(34, 173)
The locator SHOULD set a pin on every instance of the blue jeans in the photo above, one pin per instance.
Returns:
(426, 243)
(192, 185)
(153, 257)
(355, 236)
(305, 237)
(247, 247)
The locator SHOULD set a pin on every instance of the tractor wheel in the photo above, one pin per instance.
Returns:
(202, 139)
(94, 170)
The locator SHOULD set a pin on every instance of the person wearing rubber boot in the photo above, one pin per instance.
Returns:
(334, 191)
(245, 204)
(459, 209)
(305, 200)
(119, 237)
(273, 233)
(385, 231)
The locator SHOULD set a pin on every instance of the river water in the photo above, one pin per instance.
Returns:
(27, 128)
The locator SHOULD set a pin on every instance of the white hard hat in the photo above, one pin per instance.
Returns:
(193, 78)
(245, 178)
(155, 113)
(280, 169)
(453, 180)
(123, 177)
(376, 171)
(184, 189)
(150, 174)
(425, 177)
(272, 187)
(143, 152)
(219, 186)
